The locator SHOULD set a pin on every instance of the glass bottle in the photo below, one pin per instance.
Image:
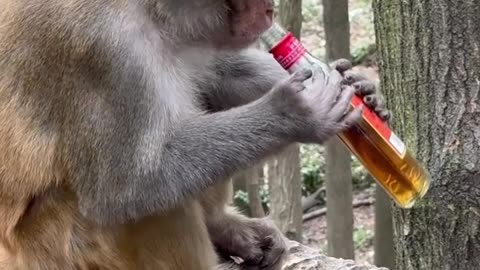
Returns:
(377, 147)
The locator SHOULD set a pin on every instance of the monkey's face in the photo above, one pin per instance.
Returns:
(225, 24)
(246, 20)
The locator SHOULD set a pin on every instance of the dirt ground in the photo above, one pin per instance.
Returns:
(315, 232)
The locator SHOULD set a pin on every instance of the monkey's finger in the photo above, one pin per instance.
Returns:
(275, 251)
(227, 266)
(341, 65)
(298, 78)
(319, 77)
(351, 119)
(246, 252)
(372, 101)
(302, 75)
(342, 105)
(364, 88)
(252, 256)
(329, 94)
(250, 251)
(378, 105)
(351, 77)
(385, 115)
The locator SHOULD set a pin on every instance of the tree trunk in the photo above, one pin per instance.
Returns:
(337, 29)
(339, 201)
(384, 253)
(338, 163)
(239, 182)
(248, 181)
(253, 187)
(283, 172)
(290, 15)
(284, 178)
(430, 70)
(383, 242)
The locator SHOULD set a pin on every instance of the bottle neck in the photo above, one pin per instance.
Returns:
(273, 36)
(283, 45)
(289, 52)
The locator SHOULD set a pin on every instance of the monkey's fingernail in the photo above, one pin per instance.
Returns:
(308, 73)
(385, 116)
(357, 87)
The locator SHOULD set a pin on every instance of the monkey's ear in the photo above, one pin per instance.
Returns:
(341, 65)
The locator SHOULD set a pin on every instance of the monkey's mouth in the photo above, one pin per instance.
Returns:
(269, 14)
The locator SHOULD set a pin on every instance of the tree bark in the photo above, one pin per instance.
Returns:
(283, 171)
(430, 73)
(290, 15)
(338, 163)
(239, 181)
(383, 245)
(253, 187)
(337, 29)
(283, 174)
(384, 254)
(339, 201)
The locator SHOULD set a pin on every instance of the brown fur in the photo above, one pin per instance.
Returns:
(39, 217)
(63, 69)
(41, 227)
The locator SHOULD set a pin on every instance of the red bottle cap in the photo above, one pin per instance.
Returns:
(288, 51)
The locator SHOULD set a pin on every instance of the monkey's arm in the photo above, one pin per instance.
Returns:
(235, 79)
(132, 170)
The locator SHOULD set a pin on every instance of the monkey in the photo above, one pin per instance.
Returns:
(122, 119)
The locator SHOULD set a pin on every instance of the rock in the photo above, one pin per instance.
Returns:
(304, 258)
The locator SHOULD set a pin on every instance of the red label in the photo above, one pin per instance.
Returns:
(372, 118)
(288, 51)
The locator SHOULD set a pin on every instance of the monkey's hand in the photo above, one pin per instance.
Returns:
(363, 87)
(313, 112)
(256, 241)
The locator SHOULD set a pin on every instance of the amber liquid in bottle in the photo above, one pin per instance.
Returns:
(380, 151)
(402, 177)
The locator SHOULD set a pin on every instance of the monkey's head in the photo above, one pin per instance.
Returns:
(224, 24)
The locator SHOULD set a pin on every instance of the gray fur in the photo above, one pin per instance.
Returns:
(125, 95)
(239, 78)
(149, 105)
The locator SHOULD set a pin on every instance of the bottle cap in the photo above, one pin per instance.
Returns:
(273, 35)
